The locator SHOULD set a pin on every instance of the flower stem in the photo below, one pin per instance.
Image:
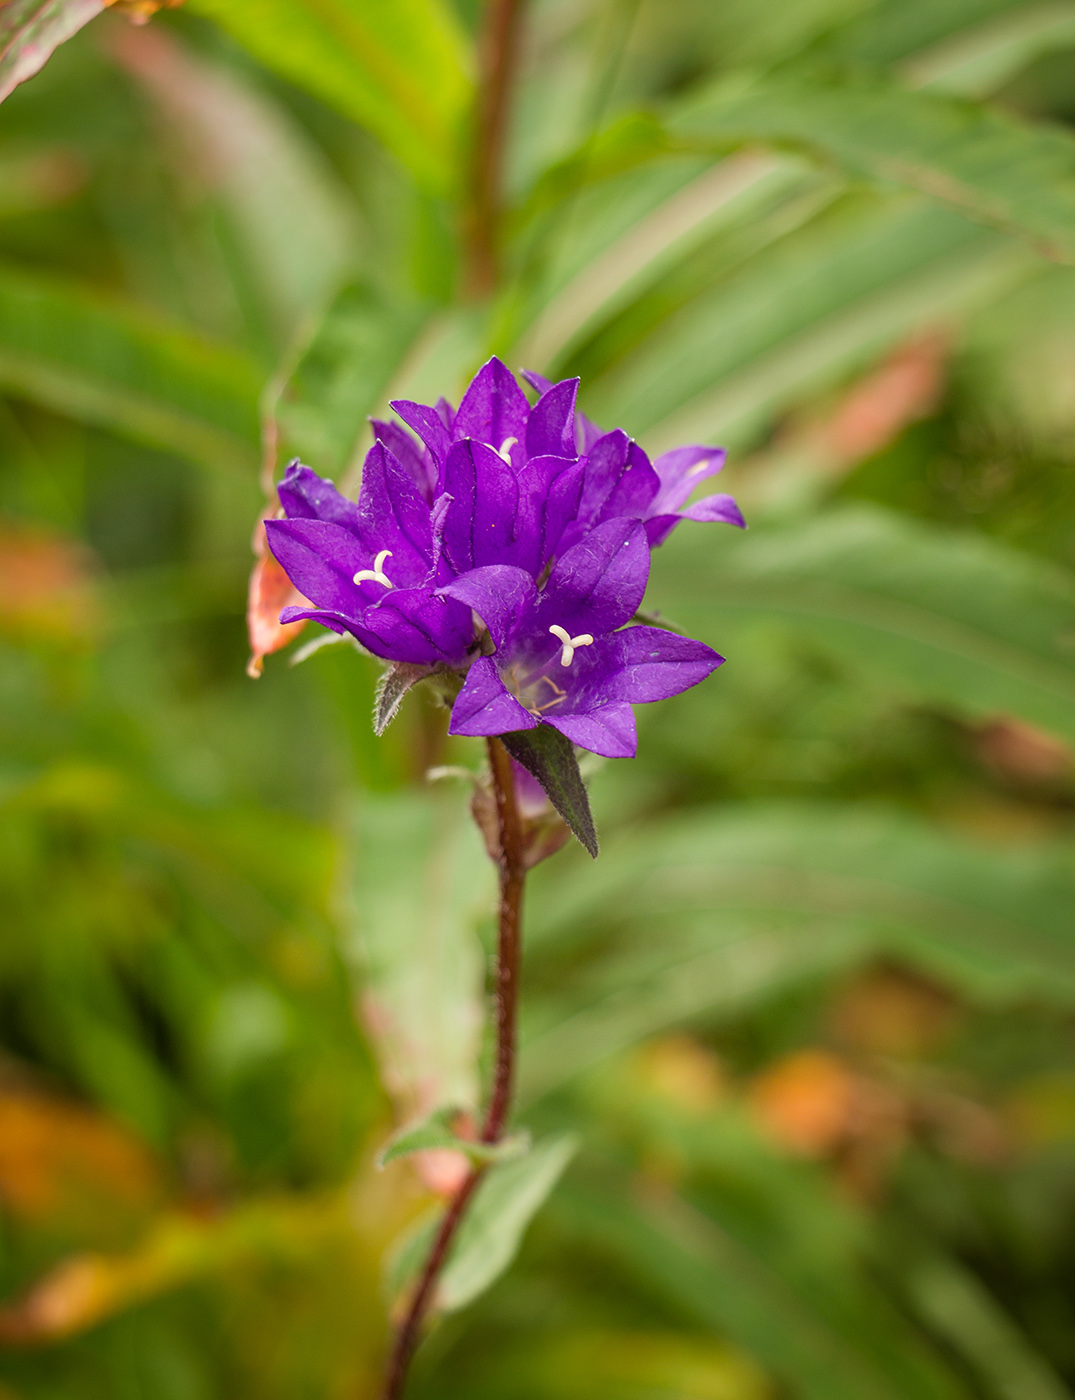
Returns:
(511, 865)
(498, 51)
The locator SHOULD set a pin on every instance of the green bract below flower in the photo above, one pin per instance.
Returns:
(510, 544)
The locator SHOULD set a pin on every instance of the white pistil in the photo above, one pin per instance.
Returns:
(376, 574)
(570, 644)
(504, 450)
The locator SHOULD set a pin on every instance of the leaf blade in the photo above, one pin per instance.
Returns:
(546, 754)
(398, 67)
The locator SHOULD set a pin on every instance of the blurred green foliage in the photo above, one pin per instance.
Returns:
(811, 1016)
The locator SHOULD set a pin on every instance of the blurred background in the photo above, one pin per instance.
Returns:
(811, 1016)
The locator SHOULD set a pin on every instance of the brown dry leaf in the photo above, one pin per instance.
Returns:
(142, 11)
(88, 1287)
(46, 586)
(1020, 752)
(892, 1012)
(905, 388)
(270, 591)
(806, 1102)
(818, 450)
(59, 1159)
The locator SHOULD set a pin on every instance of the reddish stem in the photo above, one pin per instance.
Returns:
(498, 53)
(511, 865)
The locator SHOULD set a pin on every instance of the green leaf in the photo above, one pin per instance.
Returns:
(393, 685)
(958, 1307)
(291, 216)
(550, 757)
(112, 364)
(399, 67)
(984, 163)
(696, 1265)
(712, 914)
(508, 1198)
(422, 884)
(944, 617)
(978, 60)
(31, 29)
(436, 1131)
(826, 299)
(342, 374)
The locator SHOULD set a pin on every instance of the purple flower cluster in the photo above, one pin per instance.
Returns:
(509, 544)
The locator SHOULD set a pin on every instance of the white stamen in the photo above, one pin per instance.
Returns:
(570, 644)
(376, 574)
(699, 467)
(504, 450)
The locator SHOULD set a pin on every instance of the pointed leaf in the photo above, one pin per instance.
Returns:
(393, 685)
(422, 885)
(436, 1131)
(343, 373)
(944, 616)
(31, 29)
(508, 1198)
(997, 169)
(549, 756)
(399, 67)
(110, 363)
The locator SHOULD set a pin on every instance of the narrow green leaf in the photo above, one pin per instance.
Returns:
(977, 61)
(957, 1306)
(701, 1268)
(945, 617)
(30, 30)
(436, 1131)
(509, 1197)
(341, 376)
(714, 913)
(109, 363)
(399, 67)
(289, 212)
(393, 685)
(422, 884)
(550, 757)
(988, 165)
(828, 298)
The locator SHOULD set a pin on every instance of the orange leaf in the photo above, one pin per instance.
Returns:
(270, 591)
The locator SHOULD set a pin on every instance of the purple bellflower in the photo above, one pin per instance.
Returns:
(507, 544)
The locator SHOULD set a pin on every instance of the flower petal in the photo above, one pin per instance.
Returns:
(394, 515)
(413, 624)
(485, 706)
(494, 408)
(551, 429)
(549, 491)
(479, 522)
(657, 664)
(719, 507)
(306, 496)
(321, 560)
(429, 426)
(598, 583)
(635, 489)
(681, 470)
(609, 731)
(499, 593)
(417, 462)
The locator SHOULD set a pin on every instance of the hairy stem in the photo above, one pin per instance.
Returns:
(511, 865)
(498, 51)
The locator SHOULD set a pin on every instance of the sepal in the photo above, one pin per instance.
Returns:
(549, 756)
(393, 685)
